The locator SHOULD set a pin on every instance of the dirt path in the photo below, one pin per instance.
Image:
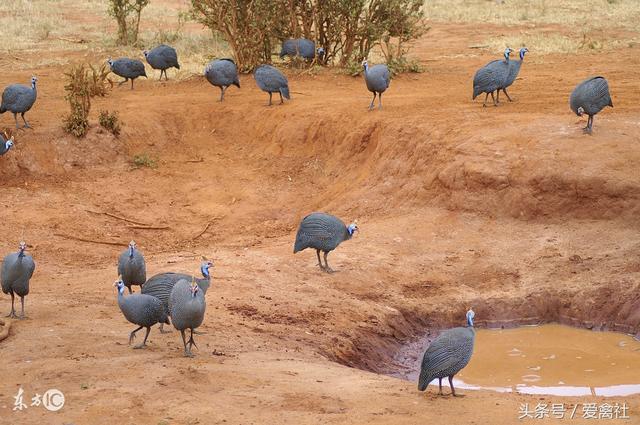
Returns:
(509, 209)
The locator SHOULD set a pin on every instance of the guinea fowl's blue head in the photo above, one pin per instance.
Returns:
(204, 268)
(470, 316)
(365, 65)
(23, 247)
(132, 248)
(120, 285)
(522, 52)
(352, 228)
(580, 111)
(8, 144)
(320, 52)
(194, 287)
(145, 53)
(507, 53)
(110, 62)
(34, 80)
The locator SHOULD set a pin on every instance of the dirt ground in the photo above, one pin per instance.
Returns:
(510, 210)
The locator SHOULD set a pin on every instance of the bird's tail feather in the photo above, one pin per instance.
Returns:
(285, 92)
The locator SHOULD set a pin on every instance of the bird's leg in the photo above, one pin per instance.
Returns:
(440, 386)
(507, 94)
(123, 81)
(162, 331)
(22, 316)
(26, 124)
(269, 99)
(486, 96)
(587, 129)
(129, 288)
(13, 311)
(132, 84)
(495, 103)
(453, 391)
(380, 101)
(327, 268)
(372, 101)
(144, 343)
(222, 93)
(319, 261)
(281, 99)
(192, 342)
(498, 96)
(166, 77)
(187, 351)
(132, 336)
(15, 116)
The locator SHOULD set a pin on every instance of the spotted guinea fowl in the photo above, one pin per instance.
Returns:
(514, 70)
(18, 99)
(301, 47)
(271, 80)
(377, 79)
(322, 232)
(491, 77)
(129, 69)
(5, 144)
(447, 355)
(187, 306)
(222, 73)
(17, 269)
(142, 310)
(590, 97)
(161, 285)
(162, 57)
(131, 266)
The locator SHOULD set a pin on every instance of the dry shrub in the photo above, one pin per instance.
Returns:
(99, 82)
(346, 29)
(127, 15)
(78, 94)
(110, 122)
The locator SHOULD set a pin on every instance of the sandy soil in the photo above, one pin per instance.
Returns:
(511, 210)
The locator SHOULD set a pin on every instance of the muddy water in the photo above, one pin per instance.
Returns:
(548, 359)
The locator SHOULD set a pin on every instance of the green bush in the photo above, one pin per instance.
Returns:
(127, 15)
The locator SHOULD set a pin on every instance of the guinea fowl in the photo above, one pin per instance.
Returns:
(377, 79)
(142, 310)
(18, 99)
(5, 144)
(590, 97)
(322, 232)
(271, 80)
(131, 266)
(300, 47)
(162, 57)
(187, 306)
(17, 269)
(447, 355)
(222, 73)
(161, 285)
(491, 77)
(514, 70)
(129, 69)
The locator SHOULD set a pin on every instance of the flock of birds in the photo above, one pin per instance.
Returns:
(179, 298)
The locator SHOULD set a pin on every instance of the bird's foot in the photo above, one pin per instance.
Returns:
(131, 338)
(586, 130)
(457, 395)
(12, 315)
(23, 317)
(329, 270)
(188, 353)
(139, 346)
